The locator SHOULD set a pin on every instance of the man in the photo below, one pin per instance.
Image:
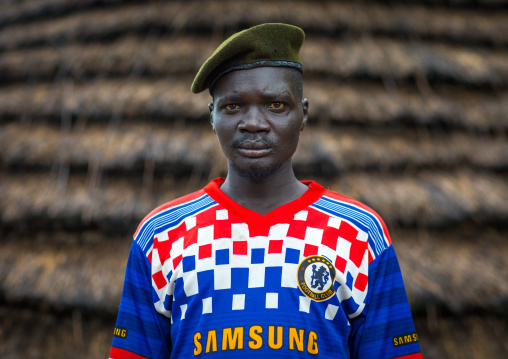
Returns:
(260, 264)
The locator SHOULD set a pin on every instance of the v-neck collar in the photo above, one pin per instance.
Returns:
(258, 221)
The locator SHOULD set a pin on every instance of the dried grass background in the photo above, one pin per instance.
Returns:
(408, 113)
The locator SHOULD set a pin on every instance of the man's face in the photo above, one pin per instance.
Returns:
(257, 115)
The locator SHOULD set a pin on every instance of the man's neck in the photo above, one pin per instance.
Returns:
(264, 195)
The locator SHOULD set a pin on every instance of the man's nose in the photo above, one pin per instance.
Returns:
(254, 121)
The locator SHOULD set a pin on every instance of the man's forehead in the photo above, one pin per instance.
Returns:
(271, 81)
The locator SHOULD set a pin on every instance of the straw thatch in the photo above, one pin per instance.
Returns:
(66, 270)
(408, 113)
(430, 199)
(365, 58)
(470, 337)
(33, 334)
(174, 149)
(16, 11)
(12, 11)
(79, 202)
(488, 27)
(341, 103)
(453, 270)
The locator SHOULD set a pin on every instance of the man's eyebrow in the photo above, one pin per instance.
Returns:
(276, 95)
(267, 96)
(228, 98)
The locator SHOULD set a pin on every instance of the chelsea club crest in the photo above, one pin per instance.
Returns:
(315, 277)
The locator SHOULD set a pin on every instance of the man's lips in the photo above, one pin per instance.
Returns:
(254, 149)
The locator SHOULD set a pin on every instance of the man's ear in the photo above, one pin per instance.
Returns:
(305, 109)
(210, 107)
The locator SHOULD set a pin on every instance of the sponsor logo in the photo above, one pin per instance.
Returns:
(256, 337)
(120, 332)
(405, 339)
(315, 276)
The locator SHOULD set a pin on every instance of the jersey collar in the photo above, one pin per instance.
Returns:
(259, 221)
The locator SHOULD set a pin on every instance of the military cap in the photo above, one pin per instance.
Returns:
(261, 45)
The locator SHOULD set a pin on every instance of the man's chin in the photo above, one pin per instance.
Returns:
(255, 173)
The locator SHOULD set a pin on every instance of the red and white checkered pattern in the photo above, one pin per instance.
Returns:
(310, 231)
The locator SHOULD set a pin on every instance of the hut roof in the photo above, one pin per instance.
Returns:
(472, 336)
(29, 333)
(408, 104)
(488, 26)
(340, 103)
(431, 199)
(442, 268)
(67, 270)
(174, 149)
(344, 59)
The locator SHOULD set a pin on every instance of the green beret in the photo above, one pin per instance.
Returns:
(262, 45)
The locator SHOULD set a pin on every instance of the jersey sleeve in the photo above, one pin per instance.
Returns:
(140, 332)
(385, 329)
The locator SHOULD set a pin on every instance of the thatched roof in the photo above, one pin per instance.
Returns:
(454, 270)
(474, 336)
(30, 334)
(488, 27)
(17, 11)
(430, 199)
(66, 270)
(408, 113)
(345, 59)
(79, 202)
(174, 149)
(341, 103)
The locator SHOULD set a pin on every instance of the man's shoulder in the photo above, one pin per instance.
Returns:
(341, 199)
(181, 203)
(355, 211)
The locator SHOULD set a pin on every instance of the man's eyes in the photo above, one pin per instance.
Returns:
(276, 105)
(271, 106)
(232, 107)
